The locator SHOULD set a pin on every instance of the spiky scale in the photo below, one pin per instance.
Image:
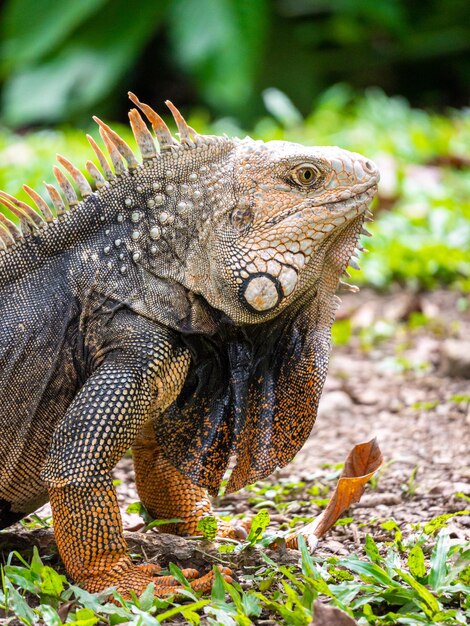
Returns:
(5, 237)
(142, 135)
(21, 209)
(184, 130)
(348, 287)
(56, 198)
(123, 148)
(162, 132)
(114, 154)
(95, 174)
(40, 203)
(26, 227)
(78, 178)
(108, 172)
(16, 212)
(12, 230)
(66, 186)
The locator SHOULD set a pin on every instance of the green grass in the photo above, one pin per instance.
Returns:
(424, 579)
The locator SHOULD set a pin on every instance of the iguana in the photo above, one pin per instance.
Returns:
(183, 309)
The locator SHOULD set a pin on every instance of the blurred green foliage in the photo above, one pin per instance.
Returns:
(61, 60)
(422, 228)
(62, 57)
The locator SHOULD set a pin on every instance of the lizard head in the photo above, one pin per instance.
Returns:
(292, 228)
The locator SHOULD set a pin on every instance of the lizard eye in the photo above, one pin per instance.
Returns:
(306, 175)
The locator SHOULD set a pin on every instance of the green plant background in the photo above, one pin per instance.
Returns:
(60, 60)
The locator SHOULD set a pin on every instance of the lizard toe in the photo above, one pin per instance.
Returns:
(136, 578)
(204, 583)
(237, 529)
(169, 586)
(152, 569)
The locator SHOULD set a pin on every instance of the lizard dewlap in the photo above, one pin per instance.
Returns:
(182, 306)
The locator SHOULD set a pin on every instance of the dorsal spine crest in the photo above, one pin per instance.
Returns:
(118, 150)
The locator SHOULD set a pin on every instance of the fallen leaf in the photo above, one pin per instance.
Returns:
(65, 608)
(325, 615)
(361, 464)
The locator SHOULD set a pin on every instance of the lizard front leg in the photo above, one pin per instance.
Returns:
(100, 425)
(88, 532)
(167, 494)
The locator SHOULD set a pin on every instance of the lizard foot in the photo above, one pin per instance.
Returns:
(237, 529)
(137, 578)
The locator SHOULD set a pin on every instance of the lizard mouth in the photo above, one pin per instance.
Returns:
(351, 207)
(342, 207)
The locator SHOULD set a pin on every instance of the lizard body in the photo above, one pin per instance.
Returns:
(184, 309)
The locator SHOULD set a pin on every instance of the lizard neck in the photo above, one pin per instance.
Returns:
(136, 231)
(149, 241)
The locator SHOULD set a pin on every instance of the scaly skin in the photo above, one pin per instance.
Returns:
(167, 494)
(182, 309)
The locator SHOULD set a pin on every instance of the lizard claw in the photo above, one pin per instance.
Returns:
(138, 577)
(238, 529)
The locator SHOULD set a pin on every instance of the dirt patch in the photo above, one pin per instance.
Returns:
(397, 389)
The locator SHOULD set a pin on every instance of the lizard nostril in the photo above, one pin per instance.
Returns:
(369, 167)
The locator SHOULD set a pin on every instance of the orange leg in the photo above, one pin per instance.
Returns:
(100, 560)
(167, 494)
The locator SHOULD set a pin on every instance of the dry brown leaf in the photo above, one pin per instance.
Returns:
(362, 462)
(325, 615)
